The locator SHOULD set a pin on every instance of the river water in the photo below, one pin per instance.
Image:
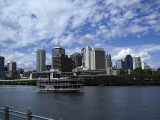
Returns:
(95, 103)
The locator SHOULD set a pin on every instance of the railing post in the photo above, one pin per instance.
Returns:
(29, 115)
(6, 113)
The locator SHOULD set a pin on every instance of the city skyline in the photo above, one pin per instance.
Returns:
(121, 28)
(89, 58)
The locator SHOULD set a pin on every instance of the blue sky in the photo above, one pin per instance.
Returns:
(121, 27)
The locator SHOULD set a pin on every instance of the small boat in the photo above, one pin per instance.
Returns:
(61, 85)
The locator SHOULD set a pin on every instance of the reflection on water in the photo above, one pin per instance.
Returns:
(96, 103)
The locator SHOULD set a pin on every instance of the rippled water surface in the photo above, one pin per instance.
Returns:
(96, 103)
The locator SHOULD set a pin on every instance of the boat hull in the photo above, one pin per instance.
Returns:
(62, 90)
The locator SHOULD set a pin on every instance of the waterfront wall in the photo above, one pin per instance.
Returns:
(119, 81)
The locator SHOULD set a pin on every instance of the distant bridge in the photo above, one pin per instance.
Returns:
(18, 80)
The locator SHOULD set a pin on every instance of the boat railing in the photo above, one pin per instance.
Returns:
(58, 84)
(7, 113)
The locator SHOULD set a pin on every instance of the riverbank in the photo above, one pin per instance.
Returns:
(19, 82)
(100, 81)
(120, 81)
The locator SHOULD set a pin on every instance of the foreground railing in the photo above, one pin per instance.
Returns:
(9, 114)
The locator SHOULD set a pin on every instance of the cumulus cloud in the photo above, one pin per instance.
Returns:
(143, 51)
(8, 41)
(87, 39)
(28, 22)
(122, 54)
(130, 17)
(23, 60)
(71, 51)
(144, 56)
(25, 65)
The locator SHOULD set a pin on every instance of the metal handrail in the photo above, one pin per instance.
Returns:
(18, 116)
(9, 112)
(41, 117)
(18, 112)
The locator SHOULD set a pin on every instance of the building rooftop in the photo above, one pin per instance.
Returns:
(58, 46)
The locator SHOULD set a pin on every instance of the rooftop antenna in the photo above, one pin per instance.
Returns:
(58, 43)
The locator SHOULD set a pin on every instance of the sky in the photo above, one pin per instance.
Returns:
(121, 27)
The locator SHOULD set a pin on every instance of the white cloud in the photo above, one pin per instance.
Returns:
(122, 54)
(144, 56)
(152, 48)
(88, 39)
(143, 51)
(71, 51)
(39, 23)
(25, 65)
(27, 22)
(23, 60)
(137, 29)
(114, 11)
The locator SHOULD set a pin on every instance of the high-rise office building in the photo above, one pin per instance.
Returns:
(61, 61)
(1, 64)
(6, 68)
(98, 61)
(86, 57)
(12, 66)
(108, 61)
(137, 62)
(128, 62)
(41, 60)
(120, 64)
(93, 58)
(108, 64)
(57, 51)
(144, 64)
(77, 59)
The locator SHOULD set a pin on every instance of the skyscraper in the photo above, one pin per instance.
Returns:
(144, 64)
(108, 64)
(137, 62)
(77, 59)
(40, 60)
(108, 61)
(98, 61)
(12, 66)
(1, 64)
(120, 64)
(86, 57)
(61, 61)
(128, 62)
(58, 50)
